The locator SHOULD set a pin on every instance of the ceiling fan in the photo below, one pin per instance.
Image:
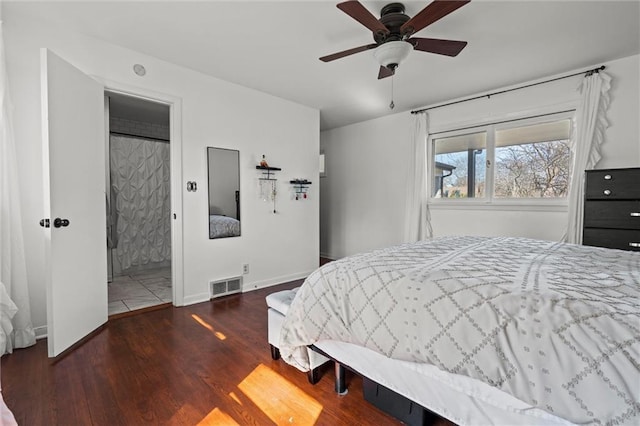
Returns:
(394, 30)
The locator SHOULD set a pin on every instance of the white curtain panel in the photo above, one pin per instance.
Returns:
(140, 182)
(8, 310)
(13, 267)
(417, 220)
(589, 135)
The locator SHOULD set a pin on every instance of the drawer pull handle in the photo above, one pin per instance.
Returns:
(634, 214)
(607, 177)
(634, 245)
(607, 192)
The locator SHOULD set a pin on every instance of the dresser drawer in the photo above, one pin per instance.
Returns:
(612, 214)
(612, 238)
(613, 184)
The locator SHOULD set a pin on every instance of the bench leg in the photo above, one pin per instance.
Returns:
(313, 375)
(341, 384)
(275, 353)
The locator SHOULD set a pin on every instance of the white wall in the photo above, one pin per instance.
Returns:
(363, 191)
(363, 195)
(278, 247)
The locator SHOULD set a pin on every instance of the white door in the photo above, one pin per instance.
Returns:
(74, 170)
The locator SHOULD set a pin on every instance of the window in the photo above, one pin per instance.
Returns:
(460, 166)
(533, 161)
(523, 159)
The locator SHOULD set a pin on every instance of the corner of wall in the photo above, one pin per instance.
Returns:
(41, 332)
(192, 299)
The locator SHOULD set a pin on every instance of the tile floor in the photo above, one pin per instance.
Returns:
(140, 289)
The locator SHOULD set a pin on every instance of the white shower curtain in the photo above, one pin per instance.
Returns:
(13, 268)
(140, 182)
(417, 218)
(591, 123)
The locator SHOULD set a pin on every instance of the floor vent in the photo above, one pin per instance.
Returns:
(222, 288)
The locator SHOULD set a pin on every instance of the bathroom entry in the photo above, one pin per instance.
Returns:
(138, 204)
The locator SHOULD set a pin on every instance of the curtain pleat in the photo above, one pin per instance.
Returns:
(589, 134)
(16, 330)
(417, 218)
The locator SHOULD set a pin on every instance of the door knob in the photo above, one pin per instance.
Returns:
(57, 222)
(44, 223)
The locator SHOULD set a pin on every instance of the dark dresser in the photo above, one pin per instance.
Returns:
(612, 209)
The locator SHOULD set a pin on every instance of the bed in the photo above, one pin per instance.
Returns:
(482, 330)
(223, 226)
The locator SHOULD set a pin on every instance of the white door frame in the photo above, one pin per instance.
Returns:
(175, 129)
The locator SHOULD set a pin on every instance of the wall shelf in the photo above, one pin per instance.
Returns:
(300, 187)
(268, 171)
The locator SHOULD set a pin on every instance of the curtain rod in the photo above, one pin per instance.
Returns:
(586, 73)
(139, 137)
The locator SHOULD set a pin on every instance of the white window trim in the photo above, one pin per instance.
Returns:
(468, 125)
(526, 204)
(558, 112)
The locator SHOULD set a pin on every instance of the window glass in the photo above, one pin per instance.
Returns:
(533, 161)
(517, 159)
(460, 170)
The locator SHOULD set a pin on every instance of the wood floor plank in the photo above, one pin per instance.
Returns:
(207, 363)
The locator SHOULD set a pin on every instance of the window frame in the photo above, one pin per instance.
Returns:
(489, 201)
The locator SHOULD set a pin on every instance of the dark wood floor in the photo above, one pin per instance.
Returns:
(202, 364)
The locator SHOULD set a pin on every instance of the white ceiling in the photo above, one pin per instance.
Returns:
(274, 46)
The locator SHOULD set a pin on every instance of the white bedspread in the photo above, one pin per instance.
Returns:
(223, 226)
(555, 325)
(6, 416)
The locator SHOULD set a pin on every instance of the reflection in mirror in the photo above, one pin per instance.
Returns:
(224, 192)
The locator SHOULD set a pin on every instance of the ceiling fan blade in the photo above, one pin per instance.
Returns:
(385, 72)
(435, 45)
(358, 12)
(430, 14)
(348, 52)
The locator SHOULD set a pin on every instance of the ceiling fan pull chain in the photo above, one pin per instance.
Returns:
(392, 105)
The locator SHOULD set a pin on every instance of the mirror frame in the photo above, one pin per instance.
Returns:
(226, 223)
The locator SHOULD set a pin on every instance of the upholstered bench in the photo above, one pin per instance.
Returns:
(278, 304)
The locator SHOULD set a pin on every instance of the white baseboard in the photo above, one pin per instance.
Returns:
(274, 281)
(41, 332)
(196, 298)
(249, 286)
(328, 256)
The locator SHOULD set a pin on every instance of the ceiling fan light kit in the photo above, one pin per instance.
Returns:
(392, 53)
(393, 32)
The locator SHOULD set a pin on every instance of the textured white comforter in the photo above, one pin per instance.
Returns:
(223, 226)
(555, 325)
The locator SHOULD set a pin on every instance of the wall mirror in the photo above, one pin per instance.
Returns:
(224, 192)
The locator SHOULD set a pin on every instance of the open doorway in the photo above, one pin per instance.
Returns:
(139, 250)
